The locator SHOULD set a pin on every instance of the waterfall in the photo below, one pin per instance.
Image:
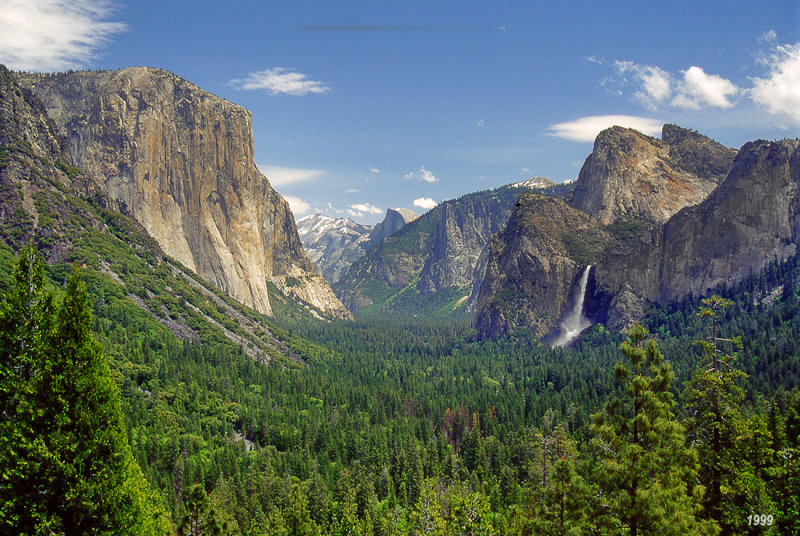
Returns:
(574, 322)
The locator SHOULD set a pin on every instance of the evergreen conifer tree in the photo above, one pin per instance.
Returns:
(65, 464)
(720, 432)
(642, 464)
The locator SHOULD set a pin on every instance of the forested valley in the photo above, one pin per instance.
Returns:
(687, 424)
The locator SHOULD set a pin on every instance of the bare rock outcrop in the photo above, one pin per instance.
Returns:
(752, 218)
(533, 263)
(632, 176)
(180, 160)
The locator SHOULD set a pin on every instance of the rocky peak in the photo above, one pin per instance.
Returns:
(632, 176)
(395, 219)
(333, 244)
(180, 160)
(752, 218)
(533, 264)
(534, 183)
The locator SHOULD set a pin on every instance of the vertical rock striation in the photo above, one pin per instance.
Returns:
(180, 160)
(752, 218)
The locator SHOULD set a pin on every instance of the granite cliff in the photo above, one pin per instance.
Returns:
(751, 218)
(46, 200)
(333, 244)
(533, 264)
(430, 266)
(395, 219)
(180, 160)
(631, 176)
(646, 244)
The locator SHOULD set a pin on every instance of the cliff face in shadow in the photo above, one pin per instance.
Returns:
(752, 218)
(533, 264)
(180, 160)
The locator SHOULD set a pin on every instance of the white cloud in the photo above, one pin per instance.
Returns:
(480, 122)
(692, 88)
(54, 35)
(422, 175)
(281, 176)
(425, 203)
(359, 210)
(656, 83)
(779, 91)
(279, 80)
(586, 129)
(768, 37)
(374, 170)
(297, 205)
(700, 90)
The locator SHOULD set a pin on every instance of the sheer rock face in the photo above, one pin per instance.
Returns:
(180, 160)
(395, 219)
(752, 218)
(533, 264)
(632, 176)
(442, 250)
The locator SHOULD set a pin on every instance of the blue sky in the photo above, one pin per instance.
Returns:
(361, 106)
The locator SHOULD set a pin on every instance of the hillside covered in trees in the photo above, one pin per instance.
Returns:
(400, 429)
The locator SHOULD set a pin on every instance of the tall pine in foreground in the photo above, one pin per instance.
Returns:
(721, 434)
(65, 464)
(643, 465)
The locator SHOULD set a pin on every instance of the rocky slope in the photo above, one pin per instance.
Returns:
(631, 176)
(751, 218)
(533, 264)
(180, 160)
(333, 244)
(44, 199)
(431, 265)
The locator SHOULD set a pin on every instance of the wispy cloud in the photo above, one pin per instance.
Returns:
(655, 82)
(422, 175)
(779, 90)
(586, 129)
(425, 203)
(297, 205)
(375, 28)
(281, 81)
(54, 35)
(281, 176)
(654, 87)
(359, 210)
(374, 170)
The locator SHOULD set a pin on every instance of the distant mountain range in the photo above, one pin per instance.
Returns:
(140, 164)
(433, 265)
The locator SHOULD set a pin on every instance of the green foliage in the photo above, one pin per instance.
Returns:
(66, 464)
(644, 467)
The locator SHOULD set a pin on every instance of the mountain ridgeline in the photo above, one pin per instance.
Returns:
(180, 161)
(674, 218)
(333, 244)
(432, 265)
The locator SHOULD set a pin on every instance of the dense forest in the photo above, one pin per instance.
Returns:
(687, 424)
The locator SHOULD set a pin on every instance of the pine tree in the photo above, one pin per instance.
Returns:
(642, 463)
(718, 431)
(65, 464)
(200, 518)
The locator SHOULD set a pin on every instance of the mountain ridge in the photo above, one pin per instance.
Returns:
(180, 160)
